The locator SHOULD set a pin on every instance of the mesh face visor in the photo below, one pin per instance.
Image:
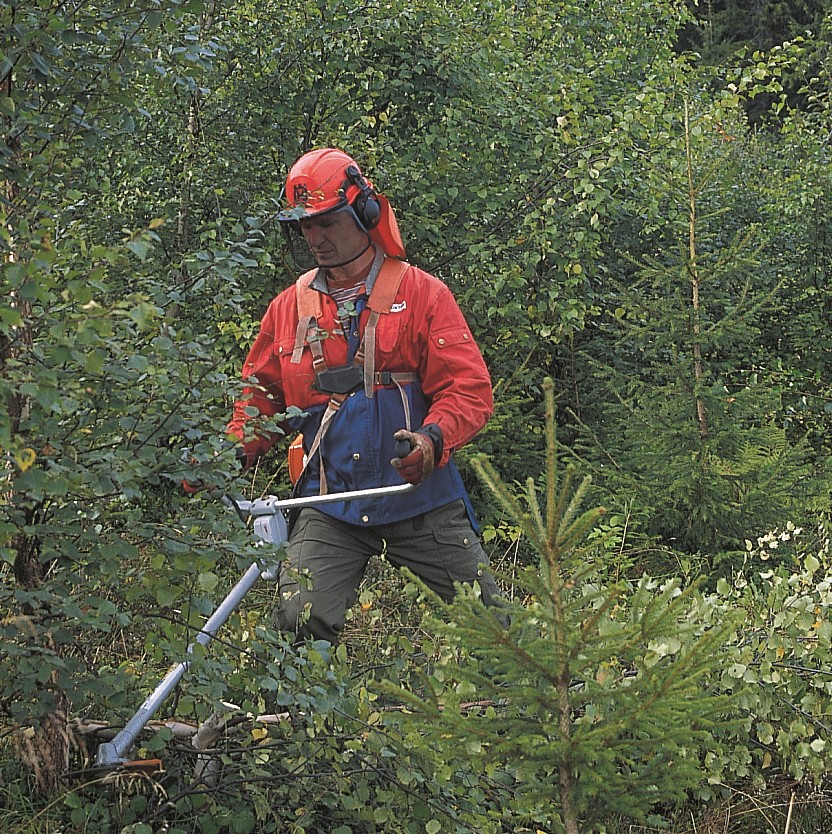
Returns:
(292, 222)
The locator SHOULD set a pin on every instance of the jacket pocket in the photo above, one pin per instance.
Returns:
(297, 377)
(454, 344)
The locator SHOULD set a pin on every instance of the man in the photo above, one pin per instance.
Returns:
(365, 351)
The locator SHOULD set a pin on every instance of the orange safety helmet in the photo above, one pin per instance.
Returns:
(326, 180)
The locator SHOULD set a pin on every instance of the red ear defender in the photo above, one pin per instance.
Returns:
(365, 203)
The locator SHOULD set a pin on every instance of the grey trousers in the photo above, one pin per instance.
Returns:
(326, 559)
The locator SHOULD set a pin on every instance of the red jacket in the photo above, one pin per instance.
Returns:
(424, 333)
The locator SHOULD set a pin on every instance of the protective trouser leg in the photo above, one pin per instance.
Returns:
(442, 549)
(325, 560)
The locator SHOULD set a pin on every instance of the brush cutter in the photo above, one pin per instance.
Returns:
(270, 526)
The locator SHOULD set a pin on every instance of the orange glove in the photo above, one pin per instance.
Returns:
(418, 465)
(190, 487)
(195, 487)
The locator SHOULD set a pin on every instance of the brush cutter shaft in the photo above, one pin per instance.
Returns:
(112, 753)
(270, 527)
(270, 504)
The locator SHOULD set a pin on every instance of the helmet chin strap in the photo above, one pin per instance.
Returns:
(345, 263)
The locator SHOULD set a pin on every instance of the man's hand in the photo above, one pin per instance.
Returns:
(193, 487)
(190, 487)
(418, 465)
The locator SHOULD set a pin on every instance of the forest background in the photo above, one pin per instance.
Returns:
(630, 200)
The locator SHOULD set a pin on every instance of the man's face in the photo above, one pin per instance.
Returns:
(334, 238)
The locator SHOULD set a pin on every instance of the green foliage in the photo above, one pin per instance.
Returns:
(333, 760)
(113, 393)
(104, 383)
(693, 425)
(536, 158)
(778, 664)
(594, 698)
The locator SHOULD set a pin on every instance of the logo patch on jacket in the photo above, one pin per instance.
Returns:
(398, 308)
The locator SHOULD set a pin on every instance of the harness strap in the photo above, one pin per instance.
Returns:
(405, 403)
(310, 309)
(387, 285)
(380, 301)
(368, 346)
(315, 346)
(309, 301)
(331, 410)
(304, 325)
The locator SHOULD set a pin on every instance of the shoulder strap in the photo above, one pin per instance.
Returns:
(381, 298)
(309, 300)
(309, 311)
(387, 285)
(380, 301)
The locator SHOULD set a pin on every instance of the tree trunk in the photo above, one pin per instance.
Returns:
(44, 748)
(701, 413)
(193, 129)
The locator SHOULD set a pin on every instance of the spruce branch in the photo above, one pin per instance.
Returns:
(491, 478)
(602, 706)
(559, 514)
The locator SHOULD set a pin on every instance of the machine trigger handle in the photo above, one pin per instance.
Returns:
(403, 448)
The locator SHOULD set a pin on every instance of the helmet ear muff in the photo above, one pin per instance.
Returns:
(366, 207)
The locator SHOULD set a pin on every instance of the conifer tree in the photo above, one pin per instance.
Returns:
(689, 421)
(593, 694)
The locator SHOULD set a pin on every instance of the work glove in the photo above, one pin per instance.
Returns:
(194, 487)
(190, 487)
(416, 466)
